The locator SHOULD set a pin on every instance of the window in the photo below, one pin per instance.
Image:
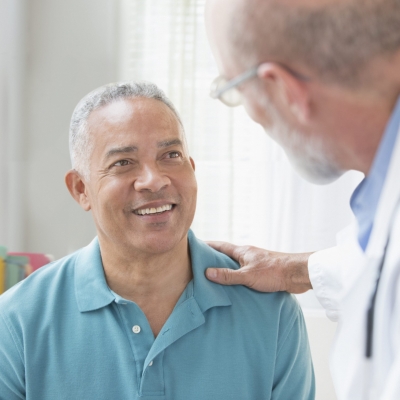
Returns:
(248, 192)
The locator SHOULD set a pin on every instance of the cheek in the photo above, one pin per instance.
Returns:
(111, 195)
(188, 189)
(117, 187)
(259, 105)
(257, 112)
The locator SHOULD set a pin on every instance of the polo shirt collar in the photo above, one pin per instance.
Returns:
(199, 296)
(91, 289)
(207, 294)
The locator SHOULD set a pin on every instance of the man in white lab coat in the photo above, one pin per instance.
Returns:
(323, 78)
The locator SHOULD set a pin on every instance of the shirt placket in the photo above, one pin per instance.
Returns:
(141, 340)
(185, 318)
(148, 352)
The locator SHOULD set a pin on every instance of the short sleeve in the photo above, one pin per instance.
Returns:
(294, 373)
(12, 377)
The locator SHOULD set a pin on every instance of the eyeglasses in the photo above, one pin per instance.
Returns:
(227, 92)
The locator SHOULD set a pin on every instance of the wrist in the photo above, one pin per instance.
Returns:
(297, 277)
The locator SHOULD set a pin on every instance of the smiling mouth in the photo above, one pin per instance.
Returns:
(153, 210)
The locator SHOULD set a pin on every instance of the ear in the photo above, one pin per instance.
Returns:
(77, 188)
(192, 163)
(291, 89)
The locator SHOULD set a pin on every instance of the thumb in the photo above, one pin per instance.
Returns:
(225, 276)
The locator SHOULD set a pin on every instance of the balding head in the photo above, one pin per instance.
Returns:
(326, 78)
(333, 39)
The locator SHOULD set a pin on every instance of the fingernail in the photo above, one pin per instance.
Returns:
(211, 273)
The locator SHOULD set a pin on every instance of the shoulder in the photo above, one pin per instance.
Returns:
(281, 307)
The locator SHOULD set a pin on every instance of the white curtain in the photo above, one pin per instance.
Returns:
(248, 192)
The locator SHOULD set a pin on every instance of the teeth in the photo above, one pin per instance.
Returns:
(153, 210)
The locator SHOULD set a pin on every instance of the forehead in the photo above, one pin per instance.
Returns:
(132, 119)
(219, 18)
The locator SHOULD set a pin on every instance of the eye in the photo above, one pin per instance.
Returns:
(121, 163)
(174, 154)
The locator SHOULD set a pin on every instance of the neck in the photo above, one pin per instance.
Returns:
(153, 281)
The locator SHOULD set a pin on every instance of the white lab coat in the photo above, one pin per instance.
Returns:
(343, 279)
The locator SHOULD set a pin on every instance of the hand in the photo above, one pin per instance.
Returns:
(262, 270)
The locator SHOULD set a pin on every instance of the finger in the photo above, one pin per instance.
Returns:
(225, 276)
(229, 249)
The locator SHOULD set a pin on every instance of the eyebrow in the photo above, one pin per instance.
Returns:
(167, 143)
(131, 149)
(118, 150)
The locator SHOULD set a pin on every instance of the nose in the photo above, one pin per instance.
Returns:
(151, 179)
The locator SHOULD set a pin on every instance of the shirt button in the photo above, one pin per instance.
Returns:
(150, 363)
(136, 329)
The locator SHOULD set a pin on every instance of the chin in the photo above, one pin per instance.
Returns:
(313, 170)
(309, 158)
(158, 243)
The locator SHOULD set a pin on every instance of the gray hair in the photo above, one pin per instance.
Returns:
(336, 40)
(80, 143)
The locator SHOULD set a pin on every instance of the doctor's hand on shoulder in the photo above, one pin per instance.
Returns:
(262, 270)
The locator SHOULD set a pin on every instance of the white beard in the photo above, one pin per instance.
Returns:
(310, 158)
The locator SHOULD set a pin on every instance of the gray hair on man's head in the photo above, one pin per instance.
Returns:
(80, 143)
(335, 39)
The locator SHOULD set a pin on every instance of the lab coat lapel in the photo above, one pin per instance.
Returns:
(349, 346)
(386, 223)
(348, 362)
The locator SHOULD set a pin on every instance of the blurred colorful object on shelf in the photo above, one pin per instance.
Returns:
(36, 260)
(14, 267)
(3, 255)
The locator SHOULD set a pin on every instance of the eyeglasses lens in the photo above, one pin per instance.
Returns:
(230, 97)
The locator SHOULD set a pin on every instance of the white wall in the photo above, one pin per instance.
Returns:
(321, 332)
(71, 50)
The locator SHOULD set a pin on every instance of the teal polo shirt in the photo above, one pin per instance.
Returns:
(65, 335)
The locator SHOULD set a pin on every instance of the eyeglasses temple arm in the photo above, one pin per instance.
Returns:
(235, 82)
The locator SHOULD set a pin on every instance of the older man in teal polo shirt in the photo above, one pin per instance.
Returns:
(132, 316)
